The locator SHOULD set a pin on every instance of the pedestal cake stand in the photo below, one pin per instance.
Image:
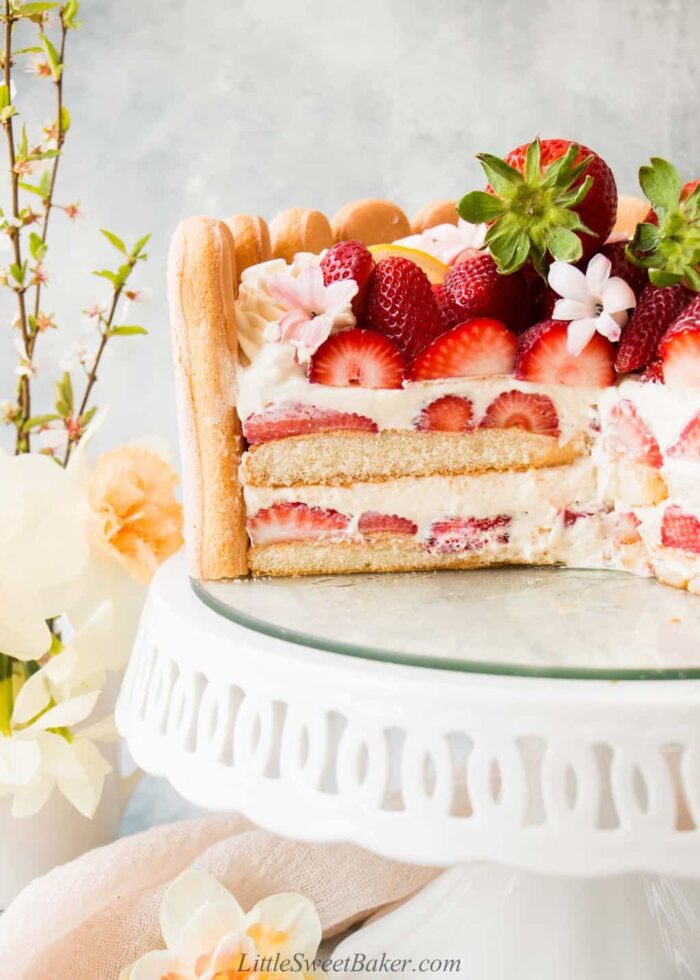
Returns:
(536, 732)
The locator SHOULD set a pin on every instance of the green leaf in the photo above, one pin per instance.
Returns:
(114, 240)
(557, 173)
(31, 188)
(64, 395)
(65, 119)
(87, 417)
(533, 161)
(140, 245)
(576, 194)
(23, 148)
(128, 331)
(692, 279)
(36, 9)
(70, 12)
(478, 206)
(7, 113)
(36, 421)
(106, 274)
(4, 96)
(564, 245)
(45, 184)
(18, 272)
(37, 248)
(53, 57)
(661, 183)
(662, 278)
(646, 237)
(502, 177)
(32, 50)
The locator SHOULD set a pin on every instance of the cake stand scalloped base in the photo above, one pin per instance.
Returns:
(583, 780)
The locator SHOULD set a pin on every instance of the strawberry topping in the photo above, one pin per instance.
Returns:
(680, 349)
(629, 436)
(657, 308)
(680, 530)
(372, 522)
(450, 313)
(294, 419)
(478, 289)
(357, 358)
(401, 305)
(468, 533)
(295, 522)
(475, 349)
(627, 529)
(349, 260)
(542, 356)
(520, 410)
(447, 414)
(688, 444)
(653, 374)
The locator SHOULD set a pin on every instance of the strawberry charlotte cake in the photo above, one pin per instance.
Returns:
(510, 379)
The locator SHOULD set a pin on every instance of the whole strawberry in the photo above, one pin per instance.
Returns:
(622, 267)
(657, 307)
(401, 305)
(478, 289)
(349, 260)
(449, 311)
(546, 198)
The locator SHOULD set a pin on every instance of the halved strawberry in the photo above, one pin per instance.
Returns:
(627, 529)
(295, 522)
(475, 349)
(680, 530)
(520, 410)
(468, 533)
(295, 419)
(680, 350)
(628, 435)
(687, 445)
(372, 522)
(357, 358)
(542, 356)
(349, 260)
(447, 414)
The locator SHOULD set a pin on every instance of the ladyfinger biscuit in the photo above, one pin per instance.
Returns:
(251, 238)
(630, 211)
(201, 293)
(435, 213)
(371, 221)
(299, 230)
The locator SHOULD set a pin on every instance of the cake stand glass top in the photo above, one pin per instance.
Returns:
(531, 622)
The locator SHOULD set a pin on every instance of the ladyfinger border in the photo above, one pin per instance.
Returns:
(202, 284)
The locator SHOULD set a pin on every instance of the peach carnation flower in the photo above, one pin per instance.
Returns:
(134, 516)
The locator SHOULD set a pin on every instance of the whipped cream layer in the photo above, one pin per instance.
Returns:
(275, 378)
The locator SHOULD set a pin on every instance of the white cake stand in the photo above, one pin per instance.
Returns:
(536, 732)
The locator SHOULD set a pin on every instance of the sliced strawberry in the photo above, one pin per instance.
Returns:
(627, 529)
(468, 533)
(572, 517)
(372, 522)
(349, 260)
(657, 308)
(680, 530)
(447, 414)
(357, 358)
(295, 522)
(654, 373)
(475, 349)
(680, 349)
(542, 356)
(520, 410)
(401, 305)
(629, 436)
(688, 444)
(295, 419)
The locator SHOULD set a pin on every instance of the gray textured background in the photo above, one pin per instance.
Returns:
(214, 106)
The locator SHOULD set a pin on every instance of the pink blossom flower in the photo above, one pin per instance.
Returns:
(73, 211)
(314, 310)
(37, 66)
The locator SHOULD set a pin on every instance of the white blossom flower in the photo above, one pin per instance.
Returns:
(448, 242)
(592, 302)
(208, 936)
(26, 367)
(312, 310)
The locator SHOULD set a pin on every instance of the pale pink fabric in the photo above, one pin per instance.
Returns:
(91, 918)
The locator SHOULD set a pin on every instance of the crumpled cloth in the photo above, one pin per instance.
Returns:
(91, 918)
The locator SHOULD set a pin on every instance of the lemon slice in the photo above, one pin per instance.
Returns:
(434, 269)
